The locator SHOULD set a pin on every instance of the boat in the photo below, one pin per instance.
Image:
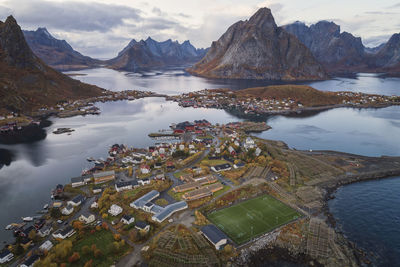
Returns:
(90, 159)
(46, 206)
(27, 219)
(9, 227)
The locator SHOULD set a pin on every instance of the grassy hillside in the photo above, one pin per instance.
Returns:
(307, 95)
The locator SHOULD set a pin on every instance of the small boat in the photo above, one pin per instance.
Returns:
(46, 206)
(27, 219)
(9, 227)
(90, 159)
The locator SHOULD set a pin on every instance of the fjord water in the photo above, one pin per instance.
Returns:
(26, 183)
(369, 214)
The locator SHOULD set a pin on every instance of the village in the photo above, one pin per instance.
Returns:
(250, 104)
(209, 196)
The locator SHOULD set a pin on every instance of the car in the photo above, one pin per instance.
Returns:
(59, 221)
(66, 223)
(98, 222)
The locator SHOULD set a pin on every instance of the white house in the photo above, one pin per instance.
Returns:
(45, 230)
(46, 246)
(87, 218)
(142, 226)
(144, 181)
(76, 201)
(127, 219)
(64, 233)
(258, 151)
(144, 169)
(181, 147)
(123, 186)
(67, 210)
(6, 256)
(249, 143)
(94, 205)
(115, 210)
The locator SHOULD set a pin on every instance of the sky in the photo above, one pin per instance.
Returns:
(101, 28)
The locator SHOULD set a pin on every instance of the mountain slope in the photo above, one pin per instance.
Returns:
(57, 53)
(337, 51)
(259, 49)
(388, 57)
(148, 54)
(27, 83)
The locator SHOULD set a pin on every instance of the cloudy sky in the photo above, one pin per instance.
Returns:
(101, 28)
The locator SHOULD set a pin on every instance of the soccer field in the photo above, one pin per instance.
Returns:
(252, 218)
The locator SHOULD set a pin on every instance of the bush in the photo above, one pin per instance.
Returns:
(97, 253)
(85, 250)
(88, 263)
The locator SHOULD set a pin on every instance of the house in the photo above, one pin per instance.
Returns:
(215, 236)
(115, 210)
(142, 226)
(25, 232)
(67, 210)
(39, 223)
(103, 177)
(127, 219)
(249, 143)
(30, 261)
(5, 256)
(64, 233)
(158, 165)
(46, 246)
(160, 176)
(57, 204)
(77, 181)
(87, 217)
(76, 201)
(145, 169)
(97, 189)
(231, 150)
(94, 205)
(45, 230)
(258, 151)
(123, 186)
(221, 167)
(144, 181)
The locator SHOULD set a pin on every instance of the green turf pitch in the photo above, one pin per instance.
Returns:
(253, 217)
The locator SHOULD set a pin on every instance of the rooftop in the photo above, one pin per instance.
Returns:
(213, 233)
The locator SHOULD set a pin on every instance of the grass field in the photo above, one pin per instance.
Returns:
(251, 218)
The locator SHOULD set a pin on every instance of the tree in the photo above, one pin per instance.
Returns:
(63, 249)
(104, 216)
(32, 234)
(55, 213)
(78, 225)
(228, 249)
(115, 247)
(74, 257)
(104, 225)
(117, 237)
(97, 253)
(88, 263)
(85, 250)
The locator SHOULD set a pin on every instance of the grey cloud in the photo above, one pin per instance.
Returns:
(394, 6)
(381, 13)
(71, 15)
(376, 40)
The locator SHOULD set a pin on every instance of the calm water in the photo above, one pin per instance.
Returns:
(26, 183)
(177, 81)
(369, 213)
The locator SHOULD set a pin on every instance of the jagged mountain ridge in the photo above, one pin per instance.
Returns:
(258, 49)
(57, 53)
(26, 82)
(148, 54)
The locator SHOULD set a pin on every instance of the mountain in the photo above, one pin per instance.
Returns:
(148, 54)
(374, 50)
(26, 82)
(338, 52)
(57, 53)
(388, 57)
(258, 49)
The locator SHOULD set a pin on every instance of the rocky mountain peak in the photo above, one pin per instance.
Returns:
(263, 18)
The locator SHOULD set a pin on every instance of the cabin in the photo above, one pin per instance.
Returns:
(127, 219)
(45, 230)
(97, 189)
(215, 236)
(144, 181)
(77, 182)
(145, 169)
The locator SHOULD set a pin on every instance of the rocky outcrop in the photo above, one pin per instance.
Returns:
(57, 53)
(388, 57)
(338, 52)
(26, 82)
(259, 49)
(150, 54)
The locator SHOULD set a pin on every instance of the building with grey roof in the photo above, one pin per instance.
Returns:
(214, 235)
